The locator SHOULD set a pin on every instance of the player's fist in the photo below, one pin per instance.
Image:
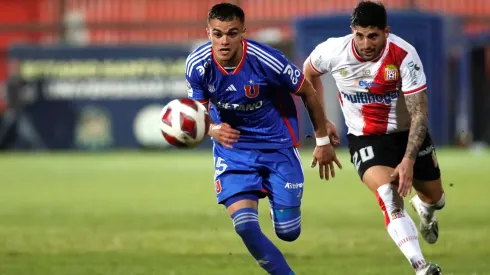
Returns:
(333, 134)
(224, 134)
(325, 156)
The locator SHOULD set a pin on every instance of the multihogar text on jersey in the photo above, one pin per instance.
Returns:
(368, 98)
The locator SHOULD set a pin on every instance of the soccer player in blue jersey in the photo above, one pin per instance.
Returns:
(248, 87)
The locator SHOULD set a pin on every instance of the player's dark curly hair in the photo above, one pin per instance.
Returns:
(369, 14)
(226, 12)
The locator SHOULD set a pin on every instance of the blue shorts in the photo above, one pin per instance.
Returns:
(275, 173)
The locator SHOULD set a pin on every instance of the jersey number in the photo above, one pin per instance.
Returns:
(365, 154)
(293, 74)
(220, 166)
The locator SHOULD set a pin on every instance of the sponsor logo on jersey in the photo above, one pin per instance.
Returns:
(391, 73)
(367, 84)
(343, 72)
(369, 98)
(240, 107)
(290, 185)
(414, 72)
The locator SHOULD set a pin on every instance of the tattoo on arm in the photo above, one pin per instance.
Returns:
(417, 106)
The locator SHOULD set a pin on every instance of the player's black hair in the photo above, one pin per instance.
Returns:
(369, 14)
(226, 12)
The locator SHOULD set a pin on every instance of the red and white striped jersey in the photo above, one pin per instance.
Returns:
(370, 92)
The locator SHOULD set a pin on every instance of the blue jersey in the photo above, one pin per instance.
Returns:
(254, 98)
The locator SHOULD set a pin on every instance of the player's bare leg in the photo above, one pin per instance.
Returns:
(399, 225)
(430, 197)
(245, 220)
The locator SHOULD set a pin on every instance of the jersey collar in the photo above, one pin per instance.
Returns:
(354, 52)
(239, 66)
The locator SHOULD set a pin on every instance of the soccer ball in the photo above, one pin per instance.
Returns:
(184, 122)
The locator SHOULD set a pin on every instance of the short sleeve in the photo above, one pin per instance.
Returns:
(319, 57)
(412, 73)
(195, 85)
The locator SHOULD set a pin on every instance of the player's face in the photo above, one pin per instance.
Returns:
(226, 38)
(369, 41)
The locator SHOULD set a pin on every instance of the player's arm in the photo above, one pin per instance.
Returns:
(313, 75)
(417, 106)
(315, 110)
(222, 133)
(326, 155)
(414, 88)
(314, 67)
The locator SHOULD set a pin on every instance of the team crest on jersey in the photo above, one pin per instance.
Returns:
(251, 91)
(211, 88)
(391, 73)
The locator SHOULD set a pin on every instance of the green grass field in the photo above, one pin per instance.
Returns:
(155, 213)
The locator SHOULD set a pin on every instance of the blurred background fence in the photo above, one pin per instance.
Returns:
(49, 47)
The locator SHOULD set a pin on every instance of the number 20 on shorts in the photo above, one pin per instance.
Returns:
(365, 154)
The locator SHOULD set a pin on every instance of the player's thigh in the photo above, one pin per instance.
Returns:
(285, 179)
(235, 175)
(375, 158)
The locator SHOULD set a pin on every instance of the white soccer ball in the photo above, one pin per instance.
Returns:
(184, 122)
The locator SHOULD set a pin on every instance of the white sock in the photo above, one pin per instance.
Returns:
(400, 226)
(429, 209)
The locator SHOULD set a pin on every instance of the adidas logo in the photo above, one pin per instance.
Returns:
(231, 88)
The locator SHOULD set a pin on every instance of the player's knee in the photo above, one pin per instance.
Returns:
(287, 223)
(246, 222)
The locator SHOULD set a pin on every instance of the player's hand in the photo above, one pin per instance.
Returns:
(325, 156)
(404, 174)
(333, 134)
(224, 134)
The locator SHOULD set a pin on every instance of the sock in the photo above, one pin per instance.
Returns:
(400, 226)
(246, 224)
(429, 209)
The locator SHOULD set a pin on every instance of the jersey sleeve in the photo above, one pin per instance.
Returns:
(412, 74)
(320, 57)
(195, 86)
(278, 69)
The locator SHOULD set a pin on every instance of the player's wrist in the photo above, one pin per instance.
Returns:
(212, 128)
(322, 141)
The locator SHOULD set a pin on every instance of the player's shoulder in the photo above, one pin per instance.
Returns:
(257, 47)
(265, 55)
(335, 45)
(195, 63)
(401, 43)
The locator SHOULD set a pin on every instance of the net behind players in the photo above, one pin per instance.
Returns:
(383, 95)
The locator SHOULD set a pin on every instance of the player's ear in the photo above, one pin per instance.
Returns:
(244, 32)
(208, 33)
(387, 31)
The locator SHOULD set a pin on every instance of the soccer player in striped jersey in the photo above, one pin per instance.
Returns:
(249, 89)
(383, 95)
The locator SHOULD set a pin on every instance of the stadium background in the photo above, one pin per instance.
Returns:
(89, 186)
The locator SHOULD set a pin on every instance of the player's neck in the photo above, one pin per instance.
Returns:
(234, 61)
